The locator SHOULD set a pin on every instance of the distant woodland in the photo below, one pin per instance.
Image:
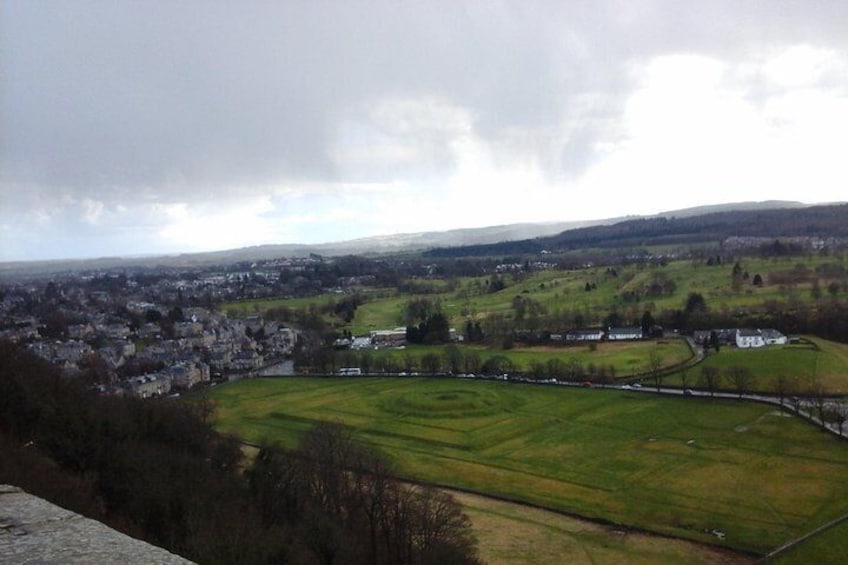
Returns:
(707, 228)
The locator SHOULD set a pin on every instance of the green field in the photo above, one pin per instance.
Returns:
(670, 465)
(813, 360)
(515, 533)
(261, 305)
(827, 547)
(785, 280)
(626, 358)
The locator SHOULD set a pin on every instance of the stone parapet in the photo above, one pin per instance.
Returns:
(33, 531)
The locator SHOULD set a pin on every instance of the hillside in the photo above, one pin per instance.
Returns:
(825, 221)
(396, 243)
(675, 226)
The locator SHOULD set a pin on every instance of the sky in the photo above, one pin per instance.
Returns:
(156, 127)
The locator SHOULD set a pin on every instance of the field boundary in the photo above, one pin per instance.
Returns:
(792, 544)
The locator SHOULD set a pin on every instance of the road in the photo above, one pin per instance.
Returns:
(803, 407)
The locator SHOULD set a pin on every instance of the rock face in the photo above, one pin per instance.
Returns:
(33, 531)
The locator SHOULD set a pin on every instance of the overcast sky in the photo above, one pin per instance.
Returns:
(158, 127)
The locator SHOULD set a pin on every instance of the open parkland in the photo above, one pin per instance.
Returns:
(630, 474)
(738, 475)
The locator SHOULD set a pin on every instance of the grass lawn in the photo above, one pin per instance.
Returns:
(827, 547)
(261, 305)
(671, 465)
(380, 314)
(515, 533)
(812, 359)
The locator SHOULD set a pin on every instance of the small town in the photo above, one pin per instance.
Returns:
(145, 335)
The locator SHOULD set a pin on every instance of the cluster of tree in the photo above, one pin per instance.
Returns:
(458, 360)
(738, 276)
(778, 248)
(319, 317)
(157, 470)
(425, 322)
(433, 330)
(363, 515)
(528, 313)
(808, 394)
(660, 285)
(828, 319)
(473, 331)
(740, 379)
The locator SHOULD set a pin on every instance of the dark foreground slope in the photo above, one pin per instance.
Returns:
(156, 470)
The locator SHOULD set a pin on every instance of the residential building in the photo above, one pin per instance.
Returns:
(621, 334)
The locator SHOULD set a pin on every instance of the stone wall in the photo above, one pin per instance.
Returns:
(33, 531)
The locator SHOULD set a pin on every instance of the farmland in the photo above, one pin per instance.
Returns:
(675, 466)
(628, 290)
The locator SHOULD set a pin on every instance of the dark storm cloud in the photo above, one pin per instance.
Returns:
(200, 95)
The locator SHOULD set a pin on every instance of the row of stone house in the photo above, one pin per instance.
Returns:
(595, 335)
(379, 339)
(191, 358)
(179, 376)
(743, 338)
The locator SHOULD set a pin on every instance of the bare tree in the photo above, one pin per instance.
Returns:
(409, 363)
(354, 510)
(431, 363)
(203, 405)
(817, 393)
(710, 379)
(781, 386)
(684, 377)
(605, 376)
(654, 368)
(741, 377)
(575, 369)
(840, 415)
(453, 359)
(473, 362)
(441, 531)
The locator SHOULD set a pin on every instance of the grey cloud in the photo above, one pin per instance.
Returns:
(120, 99)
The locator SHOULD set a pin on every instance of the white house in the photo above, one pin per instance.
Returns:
(619, 334)
(774, 337)
(584, 335)
(749, 338)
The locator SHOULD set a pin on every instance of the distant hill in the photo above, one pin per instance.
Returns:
(733, 207)
(680, 228)
(363, 246)
(702, 223)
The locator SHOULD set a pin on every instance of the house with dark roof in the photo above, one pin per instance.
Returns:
(621, 334)
(746, 339)
(584, 335)
(773, 337)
